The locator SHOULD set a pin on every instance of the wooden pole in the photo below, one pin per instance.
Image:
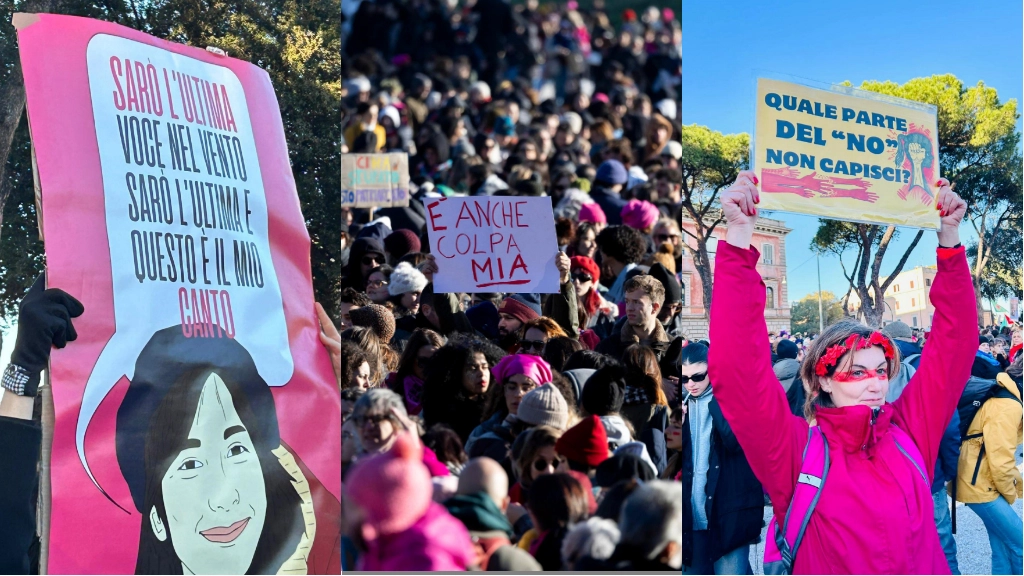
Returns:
(45, 485)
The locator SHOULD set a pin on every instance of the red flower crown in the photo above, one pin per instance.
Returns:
(854, 342)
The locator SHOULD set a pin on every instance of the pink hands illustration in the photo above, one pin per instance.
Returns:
(787, 181)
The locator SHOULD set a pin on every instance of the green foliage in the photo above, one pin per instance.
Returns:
(979, 153)
(805, 315)
(711, 160)
(296, 41)
(709, 164)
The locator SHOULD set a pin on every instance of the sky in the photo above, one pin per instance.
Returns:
(726, 44)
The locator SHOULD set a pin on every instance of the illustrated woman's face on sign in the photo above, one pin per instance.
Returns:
(214, 493)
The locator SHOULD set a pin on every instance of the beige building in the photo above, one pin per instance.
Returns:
(906, 299)
(770, 241)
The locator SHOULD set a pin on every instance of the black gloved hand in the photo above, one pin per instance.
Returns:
(44, 321)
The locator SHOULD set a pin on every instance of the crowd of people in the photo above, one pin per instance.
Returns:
(515, 431)
(562, 432)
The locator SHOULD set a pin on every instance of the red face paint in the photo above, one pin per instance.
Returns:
(861, 375)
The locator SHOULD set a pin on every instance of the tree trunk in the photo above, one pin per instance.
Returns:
(12, 103)
(873, 314)
(702, 263)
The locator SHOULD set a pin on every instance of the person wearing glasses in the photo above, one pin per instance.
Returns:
(365, 255)
(667, 230)
(726, 501)
(536, 334)
(601, 314)
(674, 444)
(377, 283)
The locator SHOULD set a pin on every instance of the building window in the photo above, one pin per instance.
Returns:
(911, 284)
(682, 292)
(768, 254)
(771, 298)
(927, 281)
(914, 321)
(897, 304)
(712, 245)
(895, 287)
(913, 302)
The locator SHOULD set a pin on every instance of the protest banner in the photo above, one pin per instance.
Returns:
(493, 244)
(374, 180)
(169, 210)
(865, 157)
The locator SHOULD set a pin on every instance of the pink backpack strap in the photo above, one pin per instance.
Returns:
(909, 449)
(780, 551)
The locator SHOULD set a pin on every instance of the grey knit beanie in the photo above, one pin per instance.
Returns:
(544, 406)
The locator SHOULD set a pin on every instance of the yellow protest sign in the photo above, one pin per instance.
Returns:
(862, 158)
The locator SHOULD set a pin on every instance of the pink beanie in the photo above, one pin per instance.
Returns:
(533, 366)
(639, 214)
(592, 213)
(394, 489)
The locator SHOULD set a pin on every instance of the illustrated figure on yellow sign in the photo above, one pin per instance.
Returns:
(914, 153)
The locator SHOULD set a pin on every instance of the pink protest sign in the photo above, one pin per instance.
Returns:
(197, 415)
(493, 244)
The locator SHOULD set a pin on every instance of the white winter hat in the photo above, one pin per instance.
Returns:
(574, 121)
(667, 108)
(406, 279)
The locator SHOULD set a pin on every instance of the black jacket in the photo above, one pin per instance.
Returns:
(19, 484)
(735, 503)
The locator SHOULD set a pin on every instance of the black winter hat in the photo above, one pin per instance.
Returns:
(787, 349)
(673, 293)
(605, 391)
(622, 467)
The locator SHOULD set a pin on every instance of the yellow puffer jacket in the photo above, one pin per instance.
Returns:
(999, 420)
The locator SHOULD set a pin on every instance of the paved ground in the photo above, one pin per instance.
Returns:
(974, 555)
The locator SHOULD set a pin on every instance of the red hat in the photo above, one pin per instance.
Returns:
(401, 242)
(585, 443)
(516, 306)
(629, 15)
(587, 265)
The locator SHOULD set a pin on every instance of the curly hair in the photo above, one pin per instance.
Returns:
(445, 373)
(625, 244)
(352, 357)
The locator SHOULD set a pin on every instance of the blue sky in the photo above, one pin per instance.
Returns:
(725, 44)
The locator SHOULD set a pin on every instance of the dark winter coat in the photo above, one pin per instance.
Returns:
(610, 202)
(19, 451)
(735, 499)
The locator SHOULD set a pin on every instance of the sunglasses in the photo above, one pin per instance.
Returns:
(583, 277)
(695, 378)
(377, 284)
(368, 260)
(532, 344)
(665, 237)
(541, 465)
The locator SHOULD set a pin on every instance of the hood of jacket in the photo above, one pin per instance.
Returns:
(786, 371)
(436, 542)
(579, 378)
(479, 513)
(618, 432)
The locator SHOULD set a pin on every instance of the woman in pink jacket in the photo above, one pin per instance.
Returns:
(875, 513)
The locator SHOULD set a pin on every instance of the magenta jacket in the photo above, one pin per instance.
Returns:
(436, 542)
(875, 512)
